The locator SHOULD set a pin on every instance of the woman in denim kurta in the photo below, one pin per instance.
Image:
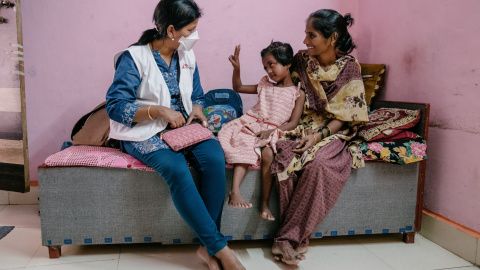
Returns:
(202, 209)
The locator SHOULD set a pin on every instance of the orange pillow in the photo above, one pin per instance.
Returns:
(373, 78)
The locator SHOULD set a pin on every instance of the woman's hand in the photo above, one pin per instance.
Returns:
(235, 58)
(264, 134)
(174, 118)
(306, 142)
(197, 113)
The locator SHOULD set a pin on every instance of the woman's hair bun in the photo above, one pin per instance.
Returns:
(348, 19)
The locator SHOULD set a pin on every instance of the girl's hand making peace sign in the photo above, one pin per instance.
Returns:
(235, 58)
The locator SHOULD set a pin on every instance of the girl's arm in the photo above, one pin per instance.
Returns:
(292, 122)
(296, 114)
(236, 80)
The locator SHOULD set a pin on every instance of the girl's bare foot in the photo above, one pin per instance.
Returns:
(212, 262)
(228, 260)
(236, 200)
(286, 254)
(266, 214)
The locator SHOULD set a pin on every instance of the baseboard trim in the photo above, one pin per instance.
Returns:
(452, 223)
(454, 237)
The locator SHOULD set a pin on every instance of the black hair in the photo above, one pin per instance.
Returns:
(328, 21)
(178, 13)
(282, 52)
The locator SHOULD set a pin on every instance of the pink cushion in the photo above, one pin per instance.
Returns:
(95, 156)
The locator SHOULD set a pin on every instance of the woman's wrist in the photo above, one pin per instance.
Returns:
(328, 131)
(149, 114)
(320, 134)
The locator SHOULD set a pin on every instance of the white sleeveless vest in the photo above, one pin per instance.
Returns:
(153, 90)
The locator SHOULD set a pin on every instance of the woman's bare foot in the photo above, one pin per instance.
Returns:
(286, 254)
(228, 260)
(212, 262)
(236, 200)
(302, 251)
(266, 214)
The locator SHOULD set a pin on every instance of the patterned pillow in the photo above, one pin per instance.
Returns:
(373, 78)
(400, 152)
(388, 124)
(95, 156)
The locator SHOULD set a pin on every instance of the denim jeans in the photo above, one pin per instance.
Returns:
(201, 208)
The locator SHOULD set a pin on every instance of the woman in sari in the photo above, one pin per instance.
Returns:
(314, 160)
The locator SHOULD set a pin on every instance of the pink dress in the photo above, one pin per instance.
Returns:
(274, 108)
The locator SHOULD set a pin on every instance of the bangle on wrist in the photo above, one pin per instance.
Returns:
(315, 138)
(321, 133)
(148, 111)
(328, 131)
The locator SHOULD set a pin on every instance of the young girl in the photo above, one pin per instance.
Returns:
(252, 137)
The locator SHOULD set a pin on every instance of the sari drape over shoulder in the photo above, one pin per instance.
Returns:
(334, 94)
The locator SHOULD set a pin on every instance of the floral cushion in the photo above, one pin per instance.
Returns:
(95, 156)
(389, 124)
(400, 152)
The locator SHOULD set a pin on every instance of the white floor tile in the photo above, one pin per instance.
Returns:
(22, 216)
(154, 256)
(2, 206)
(21, 249)
(30, 197)
(18, 247)
(138, 251)
(340, 254)
(76, 254)
(421, 255)
(98, 265)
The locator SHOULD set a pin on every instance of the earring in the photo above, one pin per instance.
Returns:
(173, 38)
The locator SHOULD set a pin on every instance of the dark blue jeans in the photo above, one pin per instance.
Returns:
(201, 208)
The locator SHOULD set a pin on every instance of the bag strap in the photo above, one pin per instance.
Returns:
(84, 118)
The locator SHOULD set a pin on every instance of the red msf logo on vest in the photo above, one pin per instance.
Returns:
(186, 66)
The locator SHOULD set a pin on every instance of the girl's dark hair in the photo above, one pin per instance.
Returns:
(282, 52)
(178, 13)
(328, 21)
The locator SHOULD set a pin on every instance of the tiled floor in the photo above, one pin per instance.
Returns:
(21, 249)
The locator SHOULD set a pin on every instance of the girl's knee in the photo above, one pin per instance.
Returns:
(267, 154)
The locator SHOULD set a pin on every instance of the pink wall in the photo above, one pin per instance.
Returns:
(430, 48)
(431, 51)
(69, 48)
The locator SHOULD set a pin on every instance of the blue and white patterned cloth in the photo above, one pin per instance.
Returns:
(122, 94)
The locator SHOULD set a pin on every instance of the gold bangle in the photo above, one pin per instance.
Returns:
(148, 111)
(314, 138)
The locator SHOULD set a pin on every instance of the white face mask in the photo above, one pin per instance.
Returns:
(186, 43)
